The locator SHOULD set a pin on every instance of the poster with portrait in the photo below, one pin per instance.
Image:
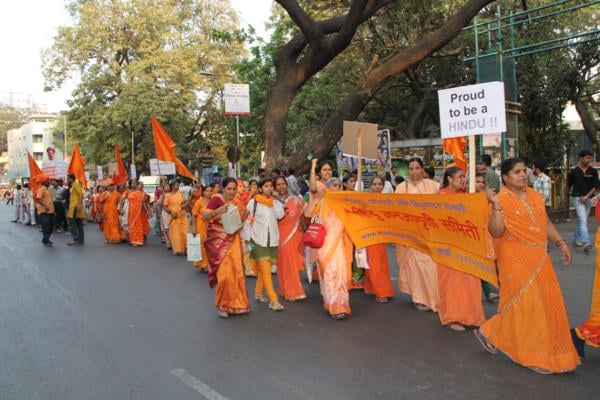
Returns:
(53, 167)
(370, 166)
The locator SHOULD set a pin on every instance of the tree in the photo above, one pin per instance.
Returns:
(135, 58)
(316, 45)
(10, 118)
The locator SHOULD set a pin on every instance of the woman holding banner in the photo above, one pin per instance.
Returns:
(531, 325)
(460, 293)
(418, 272)
(377, 277)
(335, 256)
(224, 253)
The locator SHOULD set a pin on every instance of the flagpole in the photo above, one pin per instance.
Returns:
(471, 164)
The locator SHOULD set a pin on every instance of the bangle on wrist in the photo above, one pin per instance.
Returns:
(496, 208)
(558, 242)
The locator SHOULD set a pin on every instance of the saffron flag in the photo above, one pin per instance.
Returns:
(34, 171)
(450, 229)
(77, 166)
(456, 147)
(120, 174)
(165, 148)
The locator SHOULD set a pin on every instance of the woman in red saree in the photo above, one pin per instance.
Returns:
(531, 325)
(377, 278)
(460, 293)
(224, 253)
(112, 233)
(137, 217)
(290, 258)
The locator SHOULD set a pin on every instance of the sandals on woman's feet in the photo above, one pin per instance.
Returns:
(456, 327)
(340, 316)
(276, 306)
(222, 314)
(382, 300)
(490, 348)
(261, 298)
(422, 307)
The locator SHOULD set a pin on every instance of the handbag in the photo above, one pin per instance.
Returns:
(194, 248)
(231, 220)
(315, 234)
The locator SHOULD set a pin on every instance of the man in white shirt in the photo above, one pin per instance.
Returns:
(17, 202)
(542, 183)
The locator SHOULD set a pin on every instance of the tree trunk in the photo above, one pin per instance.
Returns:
(589, 125)
(279, 101)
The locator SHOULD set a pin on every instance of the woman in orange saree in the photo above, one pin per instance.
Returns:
(163, 215)
(137, 216)
(176, 206)
(112, 233)
(224, 253)
(460, 293)
(335, 256)
(200, 226)
(589, 332)
(99, 206)
(377, 278)
(531, 325)
(290, 258)
(417, 276)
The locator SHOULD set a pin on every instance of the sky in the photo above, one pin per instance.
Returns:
(29, 26)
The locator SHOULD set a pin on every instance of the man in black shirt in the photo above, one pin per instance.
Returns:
(582, 182)
(206, 160)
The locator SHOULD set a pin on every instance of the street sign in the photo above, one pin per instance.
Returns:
(158, 168)
(237, 99)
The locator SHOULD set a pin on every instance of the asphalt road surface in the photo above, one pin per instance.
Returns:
(105, 322)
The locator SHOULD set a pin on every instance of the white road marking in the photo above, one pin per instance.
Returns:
(206, 391)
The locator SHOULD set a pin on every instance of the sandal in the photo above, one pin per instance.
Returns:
(276, 306)
(490, 348)
(222, 314)
(422, 307)
(456, 327)
(260, 297)
(493, 297)
(340, 316)
(541, 370)
(382, 300)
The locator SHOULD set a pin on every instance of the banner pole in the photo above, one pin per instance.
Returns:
(472, 164)
(359, 154)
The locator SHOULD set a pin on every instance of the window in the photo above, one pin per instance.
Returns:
(37, 138)
(38, 156)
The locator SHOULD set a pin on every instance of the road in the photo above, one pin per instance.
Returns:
(104, 322)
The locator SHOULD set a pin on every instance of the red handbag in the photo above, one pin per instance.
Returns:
(315, 235)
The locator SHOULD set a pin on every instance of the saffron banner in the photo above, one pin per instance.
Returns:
(451, 229)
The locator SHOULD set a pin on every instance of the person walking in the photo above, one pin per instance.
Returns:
(76, 212)
(582, 182)
(531, 326)
(45, 208)
(542, 183)
(17, 199)
(206, 160)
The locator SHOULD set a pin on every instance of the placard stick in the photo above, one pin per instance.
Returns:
(472, 164)
(359, 146)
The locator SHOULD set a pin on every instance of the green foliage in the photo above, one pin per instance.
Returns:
(10, 118)
(135, 58)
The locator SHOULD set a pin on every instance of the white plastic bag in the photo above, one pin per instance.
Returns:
(194, 247)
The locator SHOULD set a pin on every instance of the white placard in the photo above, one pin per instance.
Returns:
(100, 172)
(472, 110)
(237, 99)
(158, 168)
(194, 248)
(54, 168)
(132, 171)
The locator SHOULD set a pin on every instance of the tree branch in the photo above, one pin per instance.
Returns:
(311, 31)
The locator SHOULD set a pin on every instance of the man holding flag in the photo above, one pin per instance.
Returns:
(77, 181)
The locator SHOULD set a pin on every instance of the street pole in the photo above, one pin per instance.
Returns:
(132, 145)
(237, 140)
(65, 136)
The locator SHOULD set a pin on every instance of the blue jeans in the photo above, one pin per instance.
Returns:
(207, 174)
(581, 229)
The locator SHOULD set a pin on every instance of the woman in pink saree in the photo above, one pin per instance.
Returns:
(335, 256)
(418, 272)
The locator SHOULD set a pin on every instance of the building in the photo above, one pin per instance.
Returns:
(35, 136)
(3, 167)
